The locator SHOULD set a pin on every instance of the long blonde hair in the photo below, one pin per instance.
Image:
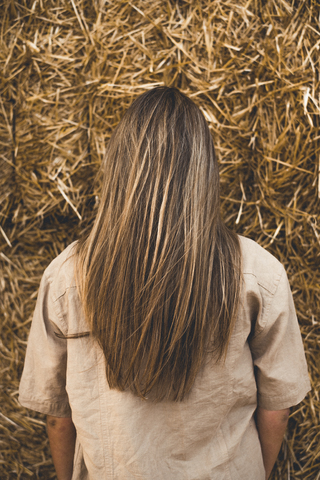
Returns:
(159, 274)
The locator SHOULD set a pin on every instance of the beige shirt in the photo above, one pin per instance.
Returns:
(211, 434)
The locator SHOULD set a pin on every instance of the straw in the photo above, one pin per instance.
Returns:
(69, 70)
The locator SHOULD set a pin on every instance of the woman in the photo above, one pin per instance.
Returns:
(164, 346)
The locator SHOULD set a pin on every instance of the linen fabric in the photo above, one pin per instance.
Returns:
(211, 435)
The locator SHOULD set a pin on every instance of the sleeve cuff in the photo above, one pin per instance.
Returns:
(284, 401)
(56, 409)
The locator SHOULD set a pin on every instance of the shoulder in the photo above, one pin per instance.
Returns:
(60, 272)
(259, 263)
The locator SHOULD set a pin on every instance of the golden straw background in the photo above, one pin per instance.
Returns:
(68, 71)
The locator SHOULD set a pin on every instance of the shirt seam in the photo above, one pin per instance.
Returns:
(259, 283)
(48, 278)
(65, 291)
(264, 317)
(55, 303)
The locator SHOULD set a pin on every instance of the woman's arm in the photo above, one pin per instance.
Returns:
(62, 436)
(271, 427)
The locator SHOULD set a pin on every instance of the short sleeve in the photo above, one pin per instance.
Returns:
(43, 382)
(278, 355)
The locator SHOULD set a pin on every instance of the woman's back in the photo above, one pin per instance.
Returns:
(211, 434)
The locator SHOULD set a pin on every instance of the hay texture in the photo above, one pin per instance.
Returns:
(68, 71)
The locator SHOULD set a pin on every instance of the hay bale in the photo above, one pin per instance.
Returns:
(69, 70)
